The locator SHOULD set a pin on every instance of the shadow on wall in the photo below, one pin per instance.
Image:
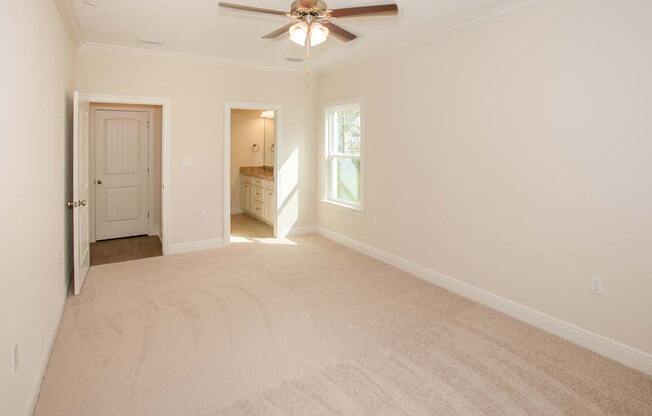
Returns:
(288, 193)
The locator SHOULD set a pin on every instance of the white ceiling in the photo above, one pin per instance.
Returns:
(201, 27)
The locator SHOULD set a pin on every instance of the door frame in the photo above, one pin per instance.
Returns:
(152, 229)
(278, 146)
(166, 141)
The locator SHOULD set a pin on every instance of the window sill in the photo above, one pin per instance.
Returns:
(343, 207)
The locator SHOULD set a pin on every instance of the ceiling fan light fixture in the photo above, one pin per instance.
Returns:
(299, 32)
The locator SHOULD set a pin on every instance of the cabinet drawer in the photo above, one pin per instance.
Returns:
(268, 185)
(270, 206)
(259, 194)
(259, 208)
(258, 182)
(246, 179)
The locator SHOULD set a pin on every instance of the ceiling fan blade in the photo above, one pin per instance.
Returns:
(251, 9)
(381, 9)
(339, 32)
(278, 32)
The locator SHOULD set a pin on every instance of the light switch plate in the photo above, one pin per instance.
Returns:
(597, 285)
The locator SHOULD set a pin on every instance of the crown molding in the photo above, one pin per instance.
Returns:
(514, 9)
(69, 17)
(94, 47)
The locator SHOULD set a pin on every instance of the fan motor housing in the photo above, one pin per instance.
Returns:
(302, 8)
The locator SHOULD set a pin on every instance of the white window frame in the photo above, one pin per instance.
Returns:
(328, 155)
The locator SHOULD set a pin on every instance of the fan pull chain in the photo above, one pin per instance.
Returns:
(308, 34)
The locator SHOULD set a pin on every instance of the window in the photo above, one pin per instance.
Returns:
(343, 155)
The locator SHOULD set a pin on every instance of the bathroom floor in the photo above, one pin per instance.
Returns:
(243, 225)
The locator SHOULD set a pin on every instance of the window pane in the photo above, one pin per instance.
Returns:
(347, 131)
(347, 177)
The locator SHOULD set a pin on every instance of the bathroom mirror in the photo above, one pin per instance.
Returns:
(269, 134)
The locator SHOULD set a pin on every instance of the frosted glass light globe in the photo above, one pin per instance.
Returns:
(318, 33)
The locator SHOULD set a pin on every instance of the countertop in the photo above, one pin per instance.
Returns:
(262, 172)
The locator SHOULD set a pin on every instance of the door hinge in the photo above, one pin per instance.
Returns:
(147, 215)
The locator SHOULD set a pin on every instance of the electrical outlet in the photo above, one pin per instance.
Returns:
(203, 216)
(597, 285)
(14, 358)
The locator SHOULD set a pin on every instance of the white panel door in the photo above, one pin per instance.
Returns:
(121, 173)
(81, 192)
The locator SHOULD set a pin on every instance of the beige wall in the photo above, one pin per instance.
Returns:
(516, 157)
(199, 91)
(247, 129)
(35, 227)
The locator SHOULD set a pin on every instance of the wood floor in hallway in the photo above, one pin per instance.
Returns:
(125, 249)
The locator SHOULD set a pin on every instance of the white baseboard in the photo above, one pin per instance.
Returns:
(31, 406)
(178, 248)
(302, 230)
(615, 350)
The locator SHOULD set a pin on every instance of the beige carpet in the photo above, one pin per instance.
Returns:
(310, 328)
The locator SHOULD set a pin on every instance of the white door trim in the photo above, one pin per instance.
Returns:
(166, 142)
(278, 145)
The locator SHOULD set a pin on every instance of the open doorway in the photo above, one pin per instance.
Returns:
(125, 149)
(252, 182)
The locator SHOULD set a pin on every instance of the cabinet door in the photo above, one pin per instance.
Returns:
(270, 206)
(259, 209)
(246, 197)
(250, 198)
(259, 193)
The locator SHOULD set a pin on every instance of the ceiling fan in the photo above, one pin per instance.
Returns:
(312, 20)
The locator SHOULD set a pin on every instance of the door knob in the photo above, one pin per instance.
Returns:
(99, 181)
(82, 203)
(71, 204)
